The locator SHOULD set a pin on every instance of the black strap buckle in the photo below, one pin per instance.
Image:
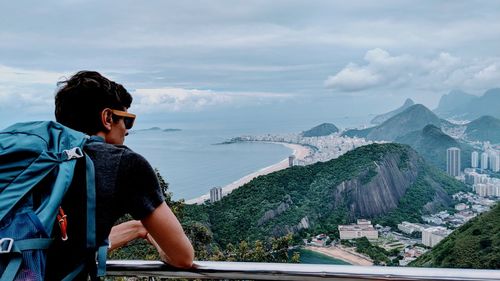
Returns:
(6, 245)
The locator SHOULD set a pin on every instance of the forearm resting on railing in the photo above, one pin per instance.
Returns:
(169, 237)
(123, 233)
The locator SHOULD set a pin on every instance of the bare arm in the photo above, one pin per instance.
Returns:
(125, 232)
(168, 237)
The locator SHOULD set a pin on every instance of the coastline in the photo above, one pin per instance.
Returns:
(342, 254)
(299, 151)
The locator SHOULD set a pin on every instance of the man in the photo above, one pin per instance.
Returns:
(125, 182)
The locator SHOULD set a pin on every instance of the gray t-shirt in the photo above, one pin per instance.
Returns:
(125, 184)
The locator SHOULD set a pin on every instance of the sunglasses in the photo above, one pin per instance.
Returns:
(128, 118)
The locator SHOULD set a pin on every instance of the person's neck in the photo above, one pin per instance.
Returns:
(102, 135)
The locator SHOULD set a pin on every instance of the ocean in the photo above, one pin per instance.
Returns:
(311, 257)
(191, 161)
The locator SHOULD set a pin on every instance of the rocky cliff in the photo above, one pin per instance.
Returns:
(383, 191)
(387, 182)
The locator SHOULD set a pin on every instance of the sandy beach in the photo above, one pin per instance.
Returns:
(300, 152)
(342, 254)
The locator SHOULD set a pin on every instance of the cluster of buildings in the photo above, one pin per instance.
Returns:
(410, 238)
(362, 228)
(487, 160)
(322, 148)
(482, 184)
(433, 235)
(318, 240)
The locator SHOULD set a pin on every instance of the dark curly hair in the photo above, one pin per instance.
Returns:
(81, 99)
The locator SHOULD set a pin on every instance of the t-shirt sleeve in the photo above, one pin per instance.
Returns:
(142, 192)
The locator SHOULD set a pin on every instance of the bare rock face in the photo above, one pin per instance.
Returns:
(271, 214)
(382, 192)
(281, 231)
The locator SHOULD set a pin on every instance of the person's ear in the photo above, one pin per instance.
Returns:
(106, 118)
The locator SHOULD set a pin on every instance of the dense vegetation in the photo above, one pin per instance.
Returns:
(270, 250)
(359, 133)
(485, 128)
(324, 129)
(262, 219)
(303, 200)
(431, 143)
(379, 255)
(416, 200)
(476, 244)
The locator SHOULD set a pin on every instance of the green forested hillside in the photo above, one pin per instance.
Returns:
(474, 245)
(432, 144)
(485, 128)
(324, 129)
(374, 181)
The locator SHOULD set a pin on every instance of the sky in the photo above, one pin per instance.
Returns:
(249, 61)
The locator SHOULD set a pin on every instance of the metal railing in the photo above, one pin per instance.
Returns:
(282, 271)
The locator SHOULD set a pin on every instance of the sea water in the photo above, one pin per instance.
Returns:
(311, 257)
(192, 161)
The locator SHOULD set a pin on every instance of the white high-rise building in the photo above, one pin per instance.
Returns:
(215, 194)
(494, 161)
(433, 235)
(484, 161)
(474, 159)
(453, 161)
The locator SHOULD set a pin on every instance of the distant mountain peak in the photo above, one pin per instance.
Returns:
(460, 105)
(408, 102)
(413, 118)
(379, 119)
(492, 92)
(419, 108)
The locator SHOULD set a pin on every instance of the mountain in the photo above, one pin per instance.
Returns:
(360, 133)
(451, 104)
(324, 129)
(485, 128)
(475, 244)
(432, 143)
(464, 106)
(379, 119)
(413, 118)
(385, 182)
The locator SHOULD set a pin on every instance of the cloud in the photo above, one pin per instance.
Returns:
(29, 90)
(443, 72)
(19, 76)
(179, 99)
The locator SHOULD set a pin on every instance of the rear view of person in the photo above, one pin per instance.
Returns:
(125, 182)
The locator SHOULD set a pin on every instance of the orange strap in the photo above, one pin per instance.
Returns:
(63, 224)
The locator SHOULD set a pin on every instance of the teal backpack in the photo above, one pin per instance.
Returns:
(37, 164)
